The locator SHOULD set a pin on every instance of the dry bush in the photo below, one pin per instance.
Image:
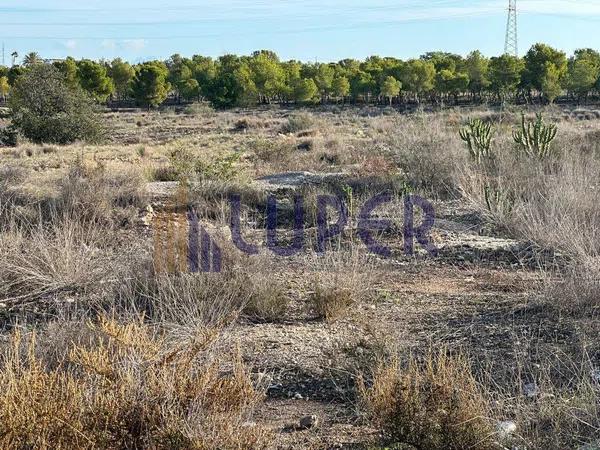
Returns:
(272, 151)
(64, 258)
(250, 123)
(11, 177)
(268, 302)
(298, 122)
(431, 404)
(578, 290)
(92, 194)
(427, 154)
(553, 203)
(564, 409)
(187, 298)
(331, 302)
(340, 281)
(127, 386)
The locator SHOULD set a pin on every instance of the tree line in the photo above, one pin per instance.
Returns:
(541, 76)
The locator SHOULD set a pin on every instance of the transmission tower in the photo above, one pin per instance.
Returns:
(511, 42)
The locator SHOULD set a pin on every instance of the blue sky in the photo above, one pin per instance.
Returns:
(325, 30)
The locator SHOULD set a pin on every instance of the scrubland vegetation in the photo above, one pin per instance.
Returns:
(106, 343)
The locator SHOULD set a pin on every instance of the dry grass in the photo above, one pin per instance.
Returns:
(340, 281)
(126, 387)
(431, 404)
(268, 302)
(66, 258)
(331, 302)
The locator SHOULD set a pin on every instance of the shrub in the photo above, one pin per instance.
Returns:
(45, 108)
(268, 301)
(434, 404)
(331, 302)
(190, 167)
(298, 122)
(65, 258)
(125, 385)
(9, 137)
(94, 194)
(187, 298)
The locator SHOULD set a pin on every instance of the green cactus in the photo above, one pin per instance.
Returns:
(498, 200)
(535, 137)
(478, 136)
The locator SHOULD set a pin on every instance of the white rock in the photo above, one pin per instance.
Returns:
(506, 428)
(590, 446)
(531, 390)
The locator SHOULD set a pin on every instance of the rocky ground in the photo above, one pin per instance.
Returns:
(476, 295)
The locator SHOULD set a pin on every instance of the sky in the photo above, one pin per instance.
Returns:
(308, 30)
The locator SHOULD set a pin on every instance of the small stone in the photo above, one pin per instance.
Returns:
(506, 428)
(590, 446)
(248, 424)
(308, 422)
(298, 396)
(530, 390)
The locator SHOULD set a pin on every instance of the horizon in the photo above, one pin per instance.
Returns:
(301, 30)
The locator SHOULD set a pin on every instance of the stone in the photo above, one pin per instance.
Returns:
(531, 390)
(308, 422)
(506, 429)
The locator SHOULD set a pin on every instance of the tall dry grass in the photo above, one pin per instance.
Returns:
(126, 385)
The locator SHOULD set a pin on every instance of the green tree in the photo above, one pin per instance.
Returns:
(505, 75)
(305, 90)
(179, 73)
(68, 68)
(550, 82)
(477, 68)
(418, 77)
(536, 61)
(362, 85)
(324, 80)
(583, 72)
(14, 73)
(150, 86)
(292, 75)
(4, 87)
(190, 89)
(232, 82)
(122, 74)
(267, 74)
(204, 71)
(390, 88)
(45, 108)
(340, 87)
(94, 79)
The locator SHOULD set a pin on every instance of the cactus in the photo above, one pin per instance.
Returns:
(535, 137)
(498, 200)
(478, 136)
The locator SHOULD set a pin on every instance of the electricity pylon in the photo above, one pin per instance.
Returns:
(511, 42)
